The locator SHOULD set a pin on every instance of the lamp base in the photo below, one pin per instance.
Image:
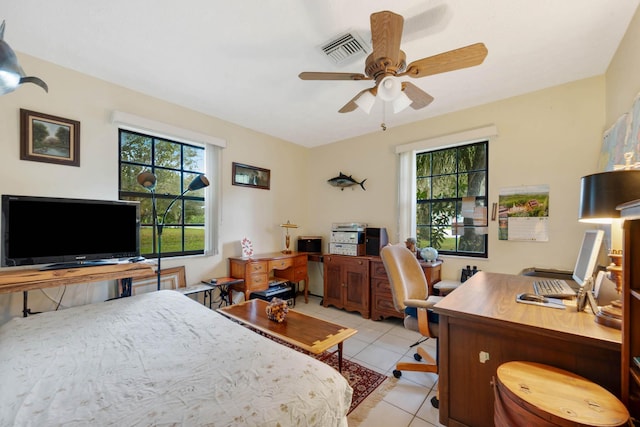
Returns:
(287, 251)
(610, 315)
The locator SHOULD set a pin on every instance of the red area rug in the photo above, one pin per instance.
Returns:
(362, 380)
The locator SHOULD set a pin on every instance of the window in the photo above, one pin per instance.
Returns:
(451, 199)
(175, 165)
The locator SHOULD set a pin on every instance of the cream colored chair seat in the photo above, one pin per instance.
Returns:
(410, 293)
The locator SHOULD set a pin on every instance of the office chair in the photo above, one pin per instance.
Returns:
(410, 293)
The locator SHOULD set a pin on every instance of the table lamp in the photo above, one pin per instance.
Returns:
(148, 180)
(287, 226)
(600, 194)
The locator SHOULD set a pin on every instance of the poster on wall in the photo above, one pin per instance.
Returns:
(524, 213)
(614, 144)
(621, 142)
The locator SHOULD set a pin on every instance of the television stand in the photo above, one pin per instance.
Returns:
(78, 264)
(28, 280)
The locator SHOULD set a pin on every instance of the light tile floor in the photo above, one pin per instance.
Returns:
(379, 345)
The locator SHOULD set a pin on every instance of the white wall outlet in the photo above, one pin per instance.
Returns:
(483, 356)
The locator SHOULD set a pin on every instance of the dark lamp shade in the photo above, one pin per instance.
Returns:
(147, 180)
(198, 182)
(601, 193)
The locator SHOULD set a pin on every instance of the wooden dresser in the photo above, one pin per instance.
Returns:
(256, 271)
(381, 299)
(360, 283)
(346, 283)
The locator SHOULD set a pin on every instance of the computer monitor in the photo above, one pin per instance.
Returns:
(588, 256)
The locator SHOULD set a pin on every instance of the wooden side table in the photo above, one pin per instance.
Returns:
(222, 284)
(528, 393)
(196, 289)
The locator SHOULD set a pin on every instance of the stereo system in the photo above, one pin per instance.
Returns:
(376, 239)
(312, 244)
(356, 239)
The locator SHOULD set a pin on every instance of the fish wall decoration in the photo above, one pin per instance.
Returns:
(11, 73)
(342, 181)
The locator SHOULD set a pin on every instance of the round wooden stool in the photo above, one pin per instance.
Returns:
(536, 395)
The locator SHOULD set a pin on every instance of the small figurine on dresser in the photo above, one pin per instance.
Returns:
(411, 244)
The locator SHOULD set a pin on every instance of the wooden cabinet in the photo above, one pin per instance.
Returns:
(346, 283)
(381, 298)
(630, 380)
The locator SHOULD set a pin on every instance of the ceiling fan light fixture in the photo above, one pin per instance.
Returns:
(389, 88)
(401, 102)
(365, 101)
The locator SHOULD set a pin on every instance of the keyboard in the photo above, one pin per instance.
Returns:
(553, 288)
(276, 290)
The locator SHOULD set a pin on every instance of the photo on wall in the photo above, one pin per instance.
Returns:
(49, 139)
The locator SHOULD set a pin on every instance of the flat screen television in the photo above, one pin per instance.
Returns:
(68, 232)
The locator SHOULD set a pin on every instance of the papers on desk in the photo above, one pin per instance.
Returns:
(550, 302)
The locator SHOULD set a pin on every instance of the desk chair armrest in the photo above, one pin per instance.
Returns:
(421, 303)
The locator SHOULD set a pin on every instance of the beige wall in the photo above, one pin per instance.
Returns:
(548, 137)
(248, 212)
(623, 78)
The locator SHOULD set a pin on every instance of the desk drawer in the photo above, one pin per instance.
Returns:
(280, 264)
(257, 267)
(257, 281)
(294, 274)
(380, 286)
(378, 270)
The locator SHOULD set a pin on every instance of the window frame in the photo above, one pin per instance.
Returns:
(456, 201)
(163, 198)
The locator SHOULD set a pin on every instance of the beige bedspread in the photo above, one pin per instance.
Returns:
(158, 359)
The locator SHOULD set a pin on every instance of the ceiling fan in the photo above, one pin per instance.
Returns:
(387, 63)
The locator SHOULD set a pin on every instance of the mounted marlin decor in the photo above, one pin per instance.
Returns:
(344, 181)
(11, 73)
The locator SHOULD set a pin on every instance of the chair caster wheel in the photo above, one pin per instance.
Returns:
(435, 402)
(417, 357)
(397, 373)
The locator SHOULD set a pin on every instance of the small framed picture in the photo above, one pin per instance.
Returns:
(49, 139)
(250, 176)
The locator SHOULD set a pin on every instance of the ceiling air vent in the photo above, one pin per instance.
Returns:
(345, 48)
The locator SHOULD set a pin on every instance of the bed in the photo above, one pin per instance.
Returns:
(159, 358)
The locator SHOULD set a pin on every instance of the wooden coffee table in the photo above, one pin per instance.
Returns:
(307, 332)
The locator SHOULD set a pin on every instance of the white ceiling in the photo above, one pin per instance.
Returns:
(240, 60)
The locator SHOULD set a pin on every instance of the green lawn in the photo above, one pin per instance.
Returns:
(172, 240)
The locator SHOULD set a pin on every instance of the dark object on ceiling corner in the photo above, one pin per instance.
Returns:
(11, 73)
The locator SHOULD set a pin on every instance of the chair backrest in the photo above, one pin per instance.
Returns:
(406, 277)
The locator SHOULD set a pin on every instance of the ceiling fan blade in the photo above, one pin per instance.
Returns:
(351, 105)
(313, 75)
(419, 97)
(456, 59)
(386, 33)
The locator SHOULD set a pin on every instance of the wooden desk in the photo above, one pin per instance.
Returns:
(27, 280)
(256, 271)
(482, 326)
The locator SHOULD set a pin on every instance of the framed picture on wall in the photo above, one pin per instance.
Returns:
(250, 176)
(49, 139)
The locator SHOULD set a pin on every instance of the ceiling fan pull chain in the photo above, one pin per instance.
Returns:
(384, 116)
